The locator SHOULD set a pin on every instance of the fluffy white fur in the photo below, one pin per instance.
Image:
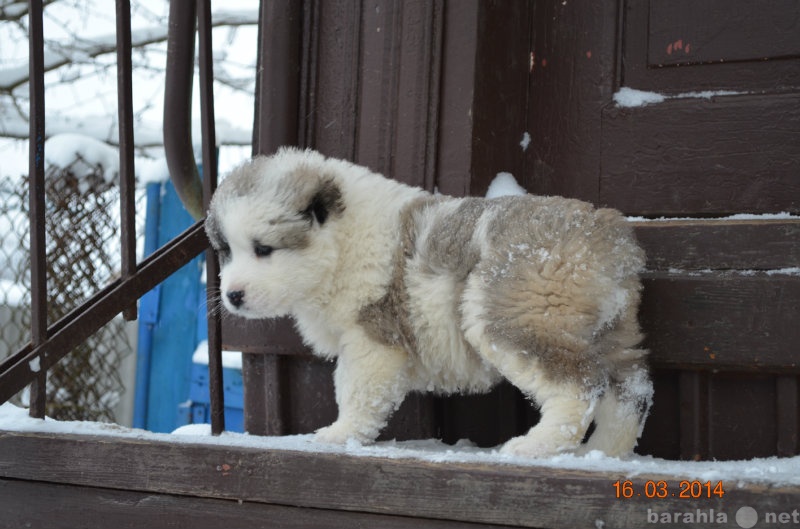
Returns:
(410, 292)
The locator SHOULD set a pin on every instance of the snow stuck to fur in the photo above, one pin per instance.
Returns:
(504, 184)
(772, 470)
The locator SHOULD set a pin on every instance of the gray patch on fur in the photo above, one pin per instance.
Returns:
(291, 234)
(387, 320)
(247, 179)
(451, 247)
(216, 238)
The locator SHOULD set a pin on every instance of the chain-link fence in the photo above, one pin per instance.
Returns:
(82, 227)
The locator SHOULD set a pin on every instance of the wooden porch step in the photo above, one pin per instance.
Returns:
(95, 481)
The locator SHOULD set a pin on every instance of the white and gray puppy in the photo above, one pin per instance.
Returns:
(414, 292)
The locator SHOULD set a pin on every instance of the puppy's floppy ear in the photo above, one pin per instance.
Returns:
(326, 201)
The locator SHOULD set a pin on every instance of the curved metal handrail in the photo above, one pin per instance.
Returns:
(178, 107)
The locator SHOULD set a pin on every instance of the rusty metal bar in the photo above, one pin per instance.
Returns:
(21, 368)
(127, 176)
(36, 194)
(206, 57)
(178, 107)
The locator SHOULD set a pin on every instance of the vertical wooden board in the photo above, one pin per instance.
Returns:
(734, 154)
(334, 86)
(417, 96)
(486, 420)
(399, 89)
(787, 408)
(742, 416)
(573, 61)
(501, 76)
(310, 401)
(264, 398)
(694, 415)
(459, 47)
(376, 108)
(415, 419)
(661, 435)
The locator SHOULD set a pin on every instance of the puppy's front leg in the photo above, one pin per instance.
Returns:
(371, 382)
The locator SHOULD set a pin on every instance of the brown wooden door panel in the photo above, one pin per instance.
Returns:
(709, 31)
(688, 45)
(694, 156)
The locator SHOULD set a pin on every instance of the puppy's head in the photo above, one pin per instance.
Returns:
(271, 223)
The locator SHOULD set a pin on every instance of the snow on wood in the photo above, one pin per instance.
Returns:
(630, 97)
(772, 470)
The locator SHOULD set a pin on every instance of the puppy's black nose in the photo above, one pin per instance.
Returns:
(236, 297)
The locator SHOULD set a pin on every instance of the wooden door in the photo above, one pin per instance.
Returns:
(447, 94)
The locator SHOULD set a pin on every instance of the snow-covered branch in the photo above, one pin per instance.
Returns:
(105, 129)
(59, 54)
(15, 10)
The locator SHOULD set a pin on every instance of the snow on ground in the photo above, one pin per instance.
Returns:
(772, 470)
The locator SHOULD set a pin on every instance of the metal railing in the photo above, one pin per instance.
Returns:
(50, 343)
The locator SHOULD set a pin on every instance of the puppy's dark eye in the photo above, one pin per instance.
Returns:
(262, 250)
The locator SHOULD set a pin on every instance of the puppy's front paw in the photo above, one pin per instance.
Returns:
(339, 433)
(534, 446)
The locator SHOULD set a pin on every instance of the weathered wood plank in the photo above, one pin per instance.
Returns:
(722, 321)
(690, 32)
(720, 244)
(516, 496)
(53, 506)
(734, 154)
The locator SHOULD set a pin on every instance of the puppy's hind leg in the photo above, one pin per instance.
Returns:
(371, 381)
(620, 415)
(566, 412)
(566, 407)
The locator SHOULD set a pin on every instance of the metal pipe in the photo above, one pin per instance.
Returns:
(21, 368)
(127, 175)
(215, 385)
(37, 206)
(178, 107)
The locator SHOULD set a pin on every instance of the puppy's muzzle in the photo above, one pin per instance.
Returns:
(236, 297)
